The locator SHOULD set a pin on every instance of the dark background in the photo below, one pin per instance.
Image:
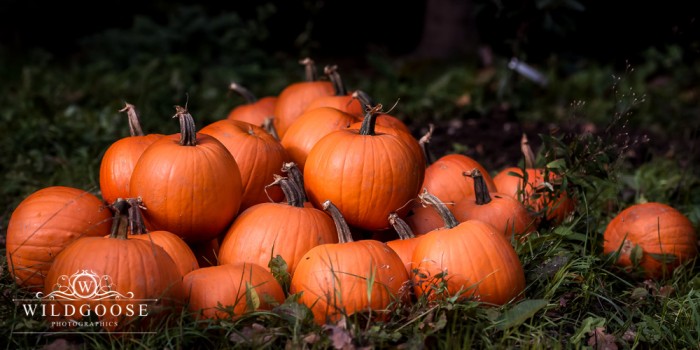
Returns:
(607, 31)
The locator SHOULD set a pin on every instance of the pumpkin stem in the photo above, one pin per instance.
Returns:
(334, 76)
(424, 145)
(136, 224)
(344, 234)
(120, 223)
(309, 68)
(134, 124)
(292, 192)
(295, 174)
(270, 127)
(429, 199)
(368, 124)
(401, 227)
(247, 95)
(365, 99)
(481, 190)
(527, 153)
(188, 131)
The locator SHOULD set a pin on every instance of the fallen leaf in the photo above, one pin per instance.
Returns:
(602, 341)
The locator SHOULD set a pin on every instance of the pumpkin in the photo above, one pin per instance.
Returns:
(270, 229)
(537, 193)
(341, 100)
(115, 271)
(472, 258)
(294, 98)
(46, 222)
(257, 154)
(172, 244)
(219, 292)
(506, 214)
(312, 126)
(406, 244)
(344, 278)
(255, 111)
(189, 182)
(366, 174)
(120, 158)
(652, 236)
(444, 179)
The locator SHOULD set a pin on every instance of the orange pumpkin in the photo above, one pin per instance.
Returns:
(270, 229)
(506, 214)
(406, 244)
(656, 236)
(348, 277)
(366, 174)
(476, 261)
(119, 159)
(189, 182)
(535, 193)
(255, 110)
(239, 288)
(116, 271)
(341, 100)
(258, 155)
(294, 99)
(46, 222)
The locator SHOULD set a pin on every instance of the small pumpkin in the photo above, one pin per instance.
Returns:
(294, 98)
(344, 278)
(219, 292)
(341, 100)
(255, 111)
(119, 159)
(506, 214)
(536, 193)
(653, 236)
(46, 222)
(406, 244)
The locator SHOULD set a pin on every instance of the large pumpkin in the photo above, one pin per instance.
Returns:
(189, 182)
(46, 222)
(269, 229)
(119, 159)
(366, 174)
(655, 236)
(476, 261)
(109, 276)
(348, 277)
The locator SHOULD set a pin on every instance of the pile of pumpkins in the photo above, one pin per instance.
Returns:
(324, 179)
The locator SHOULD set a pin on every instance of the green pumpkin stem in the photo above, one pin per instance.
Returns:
(188, 131)
(481, 190)
(370, 121)
(134, 124)
(309, 69)
(120, 222)
(424, 145)
(344, 234)
(446, 215)
(401, 227)
(527, 153)
(334, 77)
(247, 95)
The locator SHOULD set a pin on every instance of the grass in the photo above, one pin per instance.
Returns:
(60, 117)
